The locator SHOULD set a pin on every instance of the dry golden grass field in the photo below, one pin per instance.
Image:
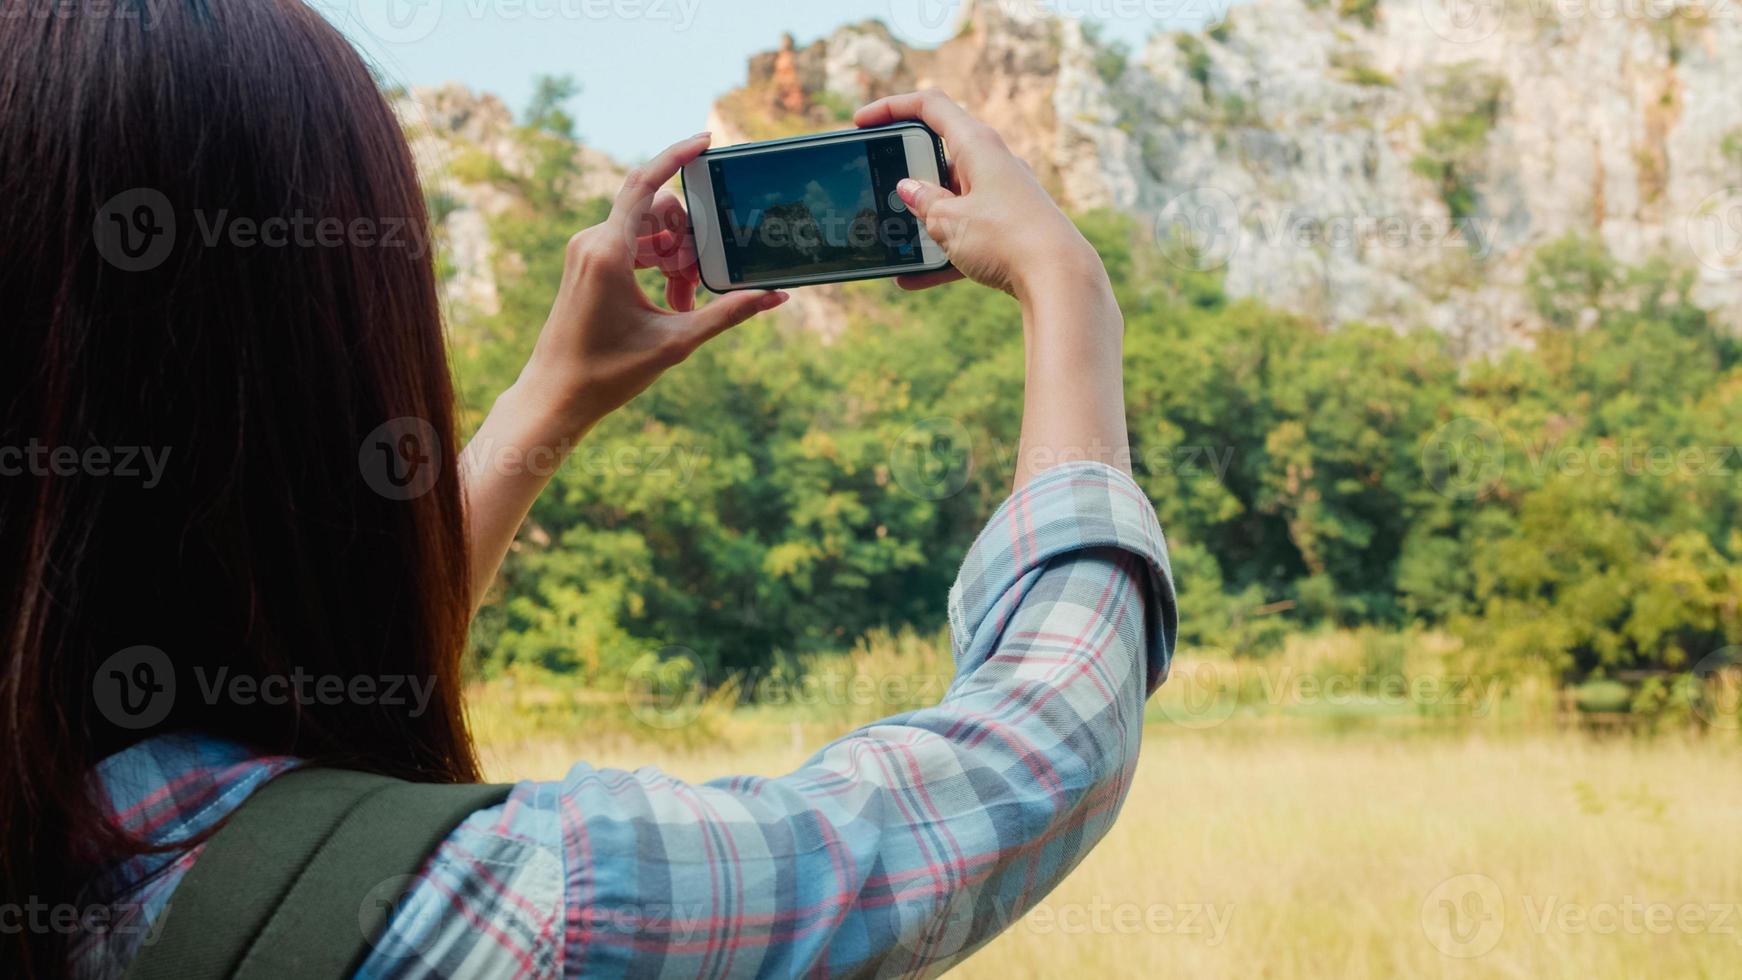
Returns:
(1272, 848)
(1369, 855)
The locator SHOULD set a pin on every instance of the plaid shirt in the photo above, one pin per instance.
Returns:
(897, 850)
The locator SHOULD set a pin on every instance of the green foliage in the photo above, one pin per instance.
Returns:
(1236, 111)
(1602, 695)
(547, 112)
(1468, 102)
(1731, 147)
(1197, 58)
(1607, 543)
(1369, 77)
(475, 166)
(839, 108)
(1363, 12)
(1110, 62)
(1111, 57)
(1568, 277)
(440, 205)
(1356, 70)
(777, 497)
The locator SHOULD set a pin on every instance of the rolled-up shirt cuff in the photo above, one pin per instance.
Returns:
(1069, 508)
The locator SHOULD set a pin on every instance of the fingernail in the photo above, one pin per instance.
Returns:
(706, 134)
(907, 187)
(775, 299)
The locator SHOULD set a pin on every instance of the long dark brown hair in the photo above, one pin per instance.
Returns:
(212, 248)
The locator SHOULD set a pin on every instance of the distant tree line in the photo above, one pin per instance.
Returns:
(1569, 506)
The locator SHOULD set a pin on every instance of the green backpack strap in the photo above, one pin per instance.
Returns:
(303, 878)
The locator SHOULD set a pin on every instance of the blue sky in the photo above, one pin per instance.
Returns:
(759, 184)
(649, 69)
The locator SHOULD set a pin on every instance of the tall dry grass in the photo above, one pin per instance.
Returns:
(1272, 842)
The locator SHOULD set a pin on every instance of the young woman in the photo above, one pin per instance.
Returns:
(251, 370)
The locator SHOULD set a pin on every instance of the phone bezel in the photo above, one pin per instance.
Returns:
(925, 160)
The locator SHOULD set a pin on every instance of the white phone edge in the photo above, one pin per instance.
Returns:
(698, 183)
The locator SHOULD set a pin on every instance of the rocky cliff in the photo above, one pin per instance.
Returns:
(1395, 160)
(458, 138)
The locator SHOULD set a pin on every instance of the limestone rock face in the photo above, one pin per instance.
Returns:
(450, 125)
(1399, 162)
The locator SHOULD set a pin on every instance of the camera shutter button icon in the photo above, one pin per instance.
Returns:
(895, 202)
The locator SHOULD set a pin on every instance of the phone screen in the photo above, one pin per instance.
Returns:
(812, 210)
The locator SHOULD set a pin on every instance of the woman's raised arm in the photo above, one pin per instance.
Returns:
(603, 344)
(1000, 228)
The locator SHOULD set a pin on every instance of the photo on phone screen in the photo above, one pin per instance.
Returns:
(817, 210)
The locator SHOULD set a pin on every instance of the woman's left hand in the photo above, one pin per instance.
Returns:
(605, 342)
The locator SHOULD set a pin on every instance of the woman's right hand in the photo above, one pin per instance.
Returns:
(605, 342)
(999, 227)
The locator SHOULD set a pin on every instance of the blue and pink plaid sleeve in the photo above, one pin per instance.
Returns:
(896, 850)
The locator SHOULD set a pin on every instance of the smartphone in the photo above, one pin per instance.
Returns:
(813, 209)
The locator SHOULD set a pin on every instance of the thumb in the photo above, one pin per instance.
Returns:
(730, 310)
(923, 197)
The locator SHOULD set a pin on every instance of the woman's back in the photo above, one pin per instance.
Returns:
(897, 849)
(311, 528)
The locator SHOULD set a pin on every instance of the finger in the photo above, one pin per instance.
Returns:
(680, 292)
(669, 213)
(931, 107)
(730, 310)
(633, 208)
(923, 198)
(669, 253)
(926, 280)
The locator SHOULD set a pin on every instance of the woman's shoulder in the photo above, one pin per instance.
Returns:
(164, 789)
(487, 900)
